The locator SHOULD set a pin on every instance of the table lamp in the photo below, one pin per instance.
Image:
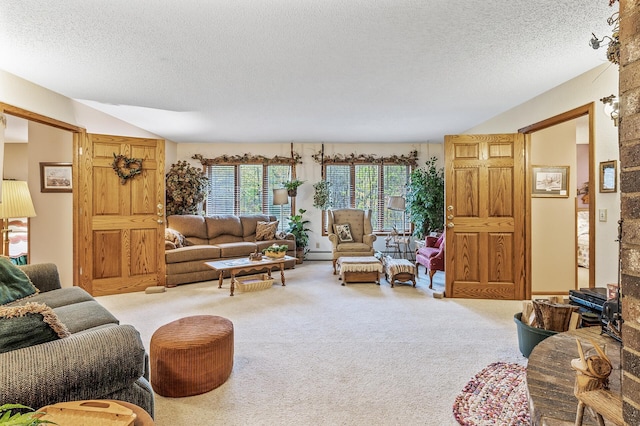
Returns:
(280, 198)
(16, 202)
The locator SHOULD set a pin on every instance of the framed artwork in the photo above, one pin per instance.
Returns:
(609, 176)
(550, 181)
(55, 177)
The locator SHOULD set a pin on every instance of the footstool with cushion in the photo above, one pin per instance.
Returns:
(191, 355)
(359, 269)
(399, 270)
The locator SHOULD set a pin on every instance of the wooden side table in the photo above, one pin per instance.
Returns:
(94, 414)
(550, 379)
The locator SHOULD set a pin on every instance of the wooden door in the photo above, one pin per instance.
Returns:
(485, 216)
(121, 229)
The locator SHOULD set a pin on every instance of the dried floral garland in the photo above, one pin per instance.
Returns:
(126, 168)
(186, 188)
(411, 159)
(248, 158)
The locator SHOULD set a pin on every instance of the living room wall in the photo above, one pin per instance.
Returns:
(586, 88)
(310, 172)
(51, 230)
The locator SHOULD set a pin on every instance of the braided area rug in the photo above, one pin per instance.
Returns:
(497, 395)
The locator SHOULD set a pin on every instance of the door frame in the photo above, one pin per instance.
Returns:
(581, 111)
(77, 133)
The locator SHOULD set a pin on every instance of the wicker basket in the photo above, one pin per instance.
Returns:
(275, 254)
(253, 282)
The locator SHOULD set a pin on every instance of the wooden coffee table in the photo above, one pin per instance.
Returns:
(236, 266)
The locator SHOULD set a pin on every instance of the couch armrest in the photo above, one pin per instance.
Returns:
(88, 365)
(43, 275)
(369, 239)
(334, 239)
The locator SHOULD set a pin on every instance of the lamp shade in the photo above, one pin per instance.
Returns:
(16, 200)
(396, 203)
(280, 197)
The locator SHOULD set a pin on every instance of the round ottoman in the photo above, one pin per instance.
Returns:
(191, 355)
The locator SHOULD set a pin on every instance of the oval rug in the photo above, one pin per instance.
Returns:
(497, 395)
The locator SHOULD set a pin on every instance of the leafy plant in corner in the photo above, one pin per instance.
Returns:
(20, 419)
(425, 199)
(186, 188)
(298, 227)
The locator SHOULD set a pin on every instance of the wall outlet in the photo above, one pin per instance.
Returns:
(602, 215)
(317, 245)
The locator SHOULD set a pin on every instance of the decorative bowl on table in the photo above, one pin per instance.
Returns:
(276, 251)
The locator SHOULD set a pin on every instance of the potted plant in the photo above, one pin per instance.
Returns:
(425, 199)
(28, 418)
(321, 194)
(298, 227)
(292, 186)
(186, 189)
(276, 251)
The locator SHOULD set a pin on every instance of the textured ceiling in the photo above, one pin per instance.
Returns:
(301, 70)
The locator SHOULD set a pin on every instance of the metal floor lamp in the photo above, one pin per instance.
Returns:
(397, 203)
(280, 198)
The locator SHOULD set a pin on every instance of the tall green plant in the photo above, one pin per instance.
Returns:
(298, 227)
(425, 199)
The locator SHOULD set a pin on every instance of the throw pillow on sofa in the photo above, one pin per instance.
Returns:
(266, 231)
(28, 325)
(174, 237)
(14, 283)
(344, 233)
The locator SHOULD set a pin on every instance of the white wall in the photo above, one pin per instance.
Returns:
(310, 172)
(553, 235)
(584, 89)
(51, 230)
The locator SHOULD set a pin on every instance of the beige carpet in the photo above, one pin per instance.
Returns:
(317, 353)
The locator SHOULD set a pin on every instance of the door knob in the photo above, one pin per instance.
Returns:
(450, 225)
(160, 222)
(450, 208)
(450, 217)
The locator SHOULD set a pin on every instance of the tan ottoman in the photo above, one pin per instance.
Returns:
(192, 355)
(359, 269)
(399, 270)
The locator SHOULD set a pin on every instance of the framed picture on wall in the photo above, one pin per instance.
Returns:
(550, 181)
(55, 177)
(609, 176)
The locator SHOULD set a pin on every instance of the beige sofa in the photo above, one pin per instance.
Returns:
(210, 238)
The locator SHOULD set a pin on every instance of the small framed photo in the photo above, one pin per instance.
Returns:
(609, 176)
(55, 177)
(550, 181)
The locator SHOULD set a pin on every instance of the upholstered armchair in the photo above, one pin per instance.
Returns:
(431, 256)
(350, 233)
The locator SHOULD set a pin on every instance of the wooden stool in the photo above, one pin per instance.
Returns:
(399, 270)
(192, 355)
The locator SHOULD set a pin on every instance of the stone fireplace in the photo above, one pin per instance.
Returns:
(629, 137)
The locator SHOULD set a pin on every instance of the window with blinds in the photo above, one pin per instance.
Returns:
(369, 186)
(246, 188)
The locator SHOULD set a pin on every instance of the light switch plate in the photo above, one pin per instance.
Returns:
(602, 215)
